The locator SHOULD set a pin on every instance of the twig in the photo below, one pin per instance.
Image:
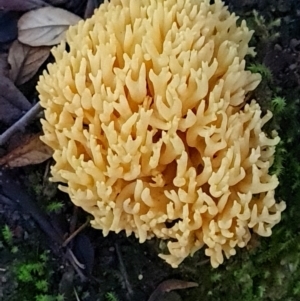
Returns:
(21, 123)
(45, 176)
(76, 295)
(203, 262)
(76, 261)
(70, 256)
(66, 242)
(123, 270)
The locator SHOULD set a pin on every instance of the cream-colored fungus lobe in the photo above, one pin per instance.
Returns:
(145, 113)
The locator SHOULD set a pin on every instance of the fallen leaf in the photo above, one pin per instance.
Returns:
(174, 284)
(12, 102)
(31, 151)
(170, 285)
(45, 26)
(25, 61)
(21, 5)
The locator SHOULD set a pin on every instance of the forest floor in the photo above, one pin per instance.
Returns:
(49, 252)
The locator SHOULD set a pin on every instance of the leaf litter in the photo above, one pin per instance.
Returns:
(30, 151)
(45, 26)
(168, 286)
(25, 61)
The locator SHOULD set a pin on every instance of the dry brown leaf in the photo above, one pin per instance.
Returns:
(25, 61)
(22, 5)
(31, 151)
(170, 285)
(174, 284)
(45, 26)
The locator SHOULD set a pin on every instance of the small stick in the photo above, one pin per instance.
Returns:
(123, 270)
(203, 262)
(74, 258)
(76, 295)
(70, 256)
(45, 176)
(65, 243)
(21, 123)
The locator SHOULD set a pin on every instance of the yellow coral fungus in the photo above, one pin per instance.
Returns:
(145, 114)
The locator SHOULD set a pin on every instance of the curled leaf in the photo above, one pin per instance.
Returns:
(170, 285)
(31, 151)
(25, 61)
(45, 26)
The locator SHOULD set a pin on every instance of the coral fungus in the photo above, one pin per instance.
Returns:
(145, 113)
